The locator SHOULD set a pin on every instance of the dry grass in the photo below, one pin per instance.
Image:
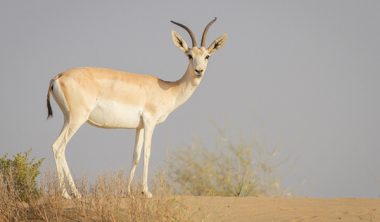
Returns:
(232, 169)
(12, 208)
(102, 201)
(235, 169)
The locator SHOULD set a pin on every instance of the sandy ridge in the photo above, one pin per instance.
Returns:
(283, 209)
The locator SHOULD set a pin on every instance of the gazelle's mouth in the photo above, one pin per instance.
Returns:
(198, 75)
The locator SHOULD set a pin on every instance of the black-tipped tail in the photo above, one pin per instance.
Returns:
(50, 111)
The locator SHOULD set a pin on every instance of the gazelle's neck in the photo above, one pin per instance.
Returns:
(186, 85)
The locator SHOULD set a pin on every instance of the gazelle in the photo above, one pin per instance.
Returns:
(109, 98)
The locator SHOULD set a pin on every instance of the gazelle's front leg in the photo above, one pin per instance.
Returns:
(149, 125)
(139, 140)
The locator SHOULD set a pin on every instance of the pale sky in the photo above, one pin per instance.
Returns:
(299, 75)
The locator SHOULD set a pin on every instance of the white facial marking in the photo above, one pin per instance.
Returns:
(199, 60)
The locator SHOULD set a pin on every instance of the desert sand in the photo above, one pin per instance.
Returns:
(283, 209)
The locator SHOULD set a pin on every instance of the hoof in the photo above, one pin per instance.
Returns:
(147, 194)
(77, 195)
(66, 195)
(130, 195)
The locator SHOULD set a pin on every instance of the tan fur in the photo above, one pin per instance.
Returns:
(110, 98)
(83, 86)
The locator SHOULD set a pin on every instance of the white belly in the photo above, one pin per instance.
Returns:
(115, 115)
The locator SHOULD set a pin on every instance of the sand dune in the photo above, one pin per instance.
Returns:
(283, 209)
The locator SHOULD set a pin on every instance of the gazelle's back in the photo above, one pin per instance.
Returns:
(110, 98)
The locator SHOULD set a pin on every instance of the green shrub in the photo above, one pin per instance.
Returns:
(235, 169)
(19, 175)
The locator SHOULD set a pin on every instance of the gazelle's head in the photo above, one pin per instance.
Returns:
(198, 56)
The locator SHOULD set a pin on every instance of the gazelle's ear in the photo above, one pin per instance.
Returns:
(217, 44)
(179, 42)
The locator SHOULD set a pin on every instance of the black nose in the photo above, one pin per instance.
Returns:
(199, 71)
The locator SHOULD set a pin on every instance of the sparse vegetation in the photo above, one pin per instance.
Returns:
(104, 200)
(235, 169)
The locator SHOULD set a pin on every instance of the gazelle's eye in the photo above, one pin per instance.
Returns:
(190, 56)
(207, 56)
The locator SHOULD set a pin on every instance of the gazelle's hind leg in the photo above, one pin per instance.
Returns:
(58, 156)
(139, 140)
(59, 147)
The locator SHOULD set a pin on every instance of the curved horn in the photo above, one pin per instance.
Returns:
(203, 41)
(188, 30)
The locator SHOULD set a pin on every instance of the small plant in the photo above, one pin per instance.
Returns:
(235, 169)
(18, 175)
